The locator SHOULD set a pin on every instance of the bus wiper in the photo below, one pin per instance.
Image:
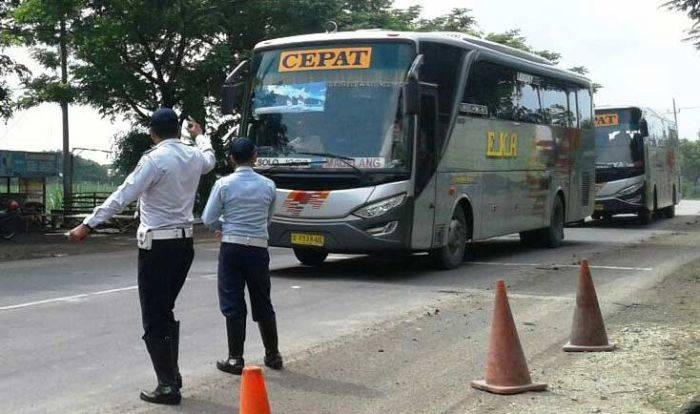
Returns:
(345, 160)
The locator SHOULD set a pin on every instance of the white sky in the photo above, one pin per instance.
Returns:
(632, 47)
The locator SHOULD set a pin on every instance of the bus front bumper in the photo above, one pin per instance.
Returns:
(617, 206)
(389, 232)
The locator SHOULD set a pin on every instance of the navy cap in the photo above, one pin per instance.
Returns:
(241, 149)
(164, 121)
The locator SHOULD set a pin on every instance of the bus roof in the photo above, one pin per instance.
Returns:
(449, 38)
(641, 108)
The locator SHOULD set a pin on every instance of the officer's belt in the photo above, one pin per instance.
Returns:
(168, 234)
(245, 241)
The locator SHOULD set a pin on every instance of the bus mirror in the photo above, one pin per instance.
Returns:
(233, 91)
(232, 98)
(411, 94)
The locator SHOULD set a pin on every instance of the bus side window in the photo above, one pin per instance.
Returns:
(493, 87)
(528, 107)
(555, 106)
(585, 110)
(573, 111)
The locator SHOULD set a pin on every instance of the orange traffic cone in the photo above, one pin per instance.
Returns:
(253, 392)
(588, 329)
(506, 368)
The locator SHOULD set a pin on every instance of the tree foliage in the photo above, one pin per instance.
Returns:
(45, 25)
(692, 9)
(690, 160)
(9, 69)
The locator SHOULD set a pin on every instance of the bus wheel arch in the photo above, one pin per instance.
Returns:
(459, 229)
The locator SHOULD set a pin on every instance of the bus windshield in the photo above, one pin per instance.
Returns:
(618, 139)
(331, 107)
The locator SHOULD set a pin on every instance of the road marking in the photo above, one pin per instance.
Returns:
(66, 298)
(544, 265)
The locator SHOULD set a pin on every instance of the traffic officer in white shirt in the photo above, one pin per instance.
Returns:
(240, 206)
(165, 182)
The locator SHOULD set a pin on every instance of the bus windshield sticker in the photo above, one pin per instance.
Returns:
(473, 109)
(293, 162)
(605, 120)
(325, 59)
(292, 98)
(525, 78)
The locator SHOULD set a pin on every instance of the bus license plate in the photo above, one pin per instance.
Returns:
(308, 239)
(599, 207)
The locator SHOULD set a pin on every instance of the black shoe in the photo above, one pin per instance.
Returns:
(268, 332)
(176, 352)
(163, 394)
(232, 365)
(167, 392)
(274, 361)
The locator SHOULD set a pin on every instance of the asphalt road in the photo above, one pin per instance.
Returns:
(70, 326)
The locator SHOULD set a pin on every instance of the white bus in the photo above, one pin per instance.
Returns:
(636, 164)
(417, 142)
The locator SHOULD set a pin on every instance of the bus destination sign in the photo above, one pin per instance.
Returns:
(325, 59)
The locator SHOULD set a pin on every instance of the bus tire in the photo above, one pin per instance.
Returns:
(311, 257)
(530, 237)
(670, 211)
(553, 236)
(645, 216)
(596, 215)
(451, 255)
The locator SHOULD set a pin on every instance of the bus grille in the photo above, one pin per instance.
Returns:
(586, 189)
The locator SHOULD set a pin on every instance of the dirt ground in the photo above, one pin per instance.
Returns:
(36, 245)
(655, 368)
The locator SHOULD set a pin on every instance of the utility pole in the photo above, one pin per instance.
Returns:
(67, 156)
(675, 116)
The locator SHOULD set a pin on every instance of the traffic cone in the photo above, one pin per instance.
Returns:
(253, 392)
(587, 330)
(506, 368)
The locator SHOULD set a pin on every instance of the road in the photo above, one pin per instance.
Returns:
(70, 326)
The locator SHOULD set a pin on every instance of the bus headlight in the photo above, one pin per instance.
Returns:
(381, 207)
(628, 191)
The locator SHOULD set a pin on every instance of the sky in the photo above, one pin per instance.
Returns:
(632, 47)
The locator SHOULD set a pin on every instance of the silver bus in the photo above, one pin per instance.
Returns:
(637, 167)
(414, 142)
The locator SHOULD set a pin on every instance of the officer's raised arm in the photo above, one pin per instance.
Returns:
(203, 144)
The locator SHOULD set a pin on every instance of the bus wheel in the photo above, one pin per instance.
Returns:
(670, 211)
(451, 255)
(553, 235)
(596, 215)
(311, 257)
(645, 216)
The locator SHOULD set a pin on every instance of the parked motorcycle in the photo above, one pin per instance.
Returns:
(11, 221)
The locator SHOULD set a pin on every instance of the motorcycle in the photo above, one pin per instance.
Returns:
(11, 221)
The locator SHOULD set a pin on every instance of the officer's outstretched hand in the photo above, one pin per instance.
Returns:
(194, 128)
(79, 233)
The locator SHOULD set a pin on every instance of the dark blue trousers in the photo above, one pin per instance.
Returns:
(239, 266)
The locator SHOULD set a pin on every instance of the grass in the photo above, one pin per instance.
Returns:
(54, 192)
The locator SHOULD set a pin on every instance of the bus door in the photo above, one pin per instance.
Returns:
(427, 148)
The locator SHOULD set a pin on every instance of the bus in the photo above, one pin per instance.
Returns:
(384, 141)
(637, 168)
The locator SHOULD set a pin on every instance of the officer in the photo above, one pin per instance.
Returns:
(165, 182)
(240, 207)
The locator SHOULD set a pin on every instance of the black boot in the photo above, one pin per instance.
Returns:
(176, 352)
(235, 332)
(268, 332)
(167, 391)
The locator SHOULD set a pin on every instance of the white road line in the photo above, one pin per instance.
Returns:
(66, 298)
(553, 265)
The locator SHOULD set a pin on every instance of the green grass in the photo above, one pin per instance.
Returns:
(54, 192)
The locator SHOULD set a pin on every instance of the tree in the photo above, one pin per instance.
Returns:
(582, 70)
(47, 27)
(690, 160)
(457, 20)
(9, 69)
(692, 9)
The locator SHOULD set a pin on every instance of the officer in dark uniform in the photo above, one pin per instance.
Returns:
(240, 206)
(165, 182)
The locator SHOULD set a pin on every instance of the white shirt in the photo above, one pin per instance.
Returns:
(241, 204)
(165, 182)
